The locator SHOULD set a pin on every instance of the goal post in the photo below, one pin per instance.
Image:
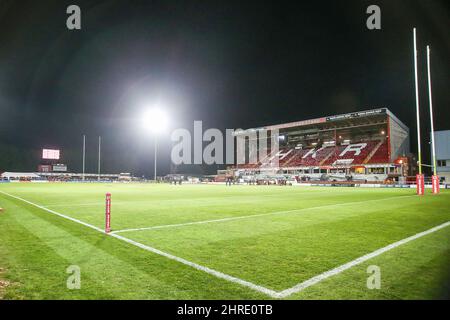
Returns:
(419, 177)
(108, 213)
(435, 177)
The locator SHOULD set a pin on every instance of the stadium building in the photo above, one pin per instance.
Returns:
(370, 146)
(442, 140)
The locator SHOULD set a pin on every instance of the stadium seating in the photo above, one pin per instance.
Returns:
(294, 160)
(335, 152)
(361, 153)
(374, 151)
(381, 154)
(316, 157)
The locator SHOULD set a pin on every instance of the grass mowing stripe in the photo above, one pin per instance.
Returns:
(213, 272)
(53, 212)
(75, 205)
(120, 202)
(269, 292)
(314, 280)
(253, 215)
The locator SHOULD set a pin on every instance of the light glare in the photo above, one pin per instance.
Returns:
(155, 120)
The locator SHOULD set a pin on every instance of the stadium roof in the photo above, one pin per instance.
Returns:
(353, 116)
(19, 175)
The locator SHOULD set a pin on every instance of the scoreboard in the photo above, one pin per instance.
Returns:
(50, 154)
(50, 161)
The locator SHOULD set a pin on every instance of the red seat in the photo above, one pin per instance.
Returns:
(381, 155)
(357, 153)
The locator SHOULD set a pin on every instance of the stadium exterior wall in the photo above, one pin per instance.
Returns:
(442, 141)
(398, 138)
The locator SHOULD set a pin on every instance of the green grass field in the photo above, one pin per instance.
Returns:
(271, 237)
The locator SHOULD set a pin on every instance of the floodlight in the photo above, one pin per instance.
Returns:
(155, 120)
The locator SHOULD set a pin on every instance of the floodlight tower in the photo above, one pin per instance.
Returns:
(99, 156)
(84, 156)
(155, 120)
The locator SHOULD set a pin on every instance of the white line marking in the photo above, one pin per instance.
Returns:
(74, 205)
(213, 272)
(314, 280)
(120, 202)
(273, 294)
(54, 212)
(252, 215)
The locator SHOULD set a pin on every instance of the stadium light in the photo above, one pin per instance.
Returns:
(155, 120)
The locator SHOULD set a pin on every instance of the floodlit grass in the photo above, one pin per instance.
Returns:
(275, 237)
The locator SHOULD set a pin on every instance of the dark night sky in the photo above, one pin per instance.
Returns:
(229, 63)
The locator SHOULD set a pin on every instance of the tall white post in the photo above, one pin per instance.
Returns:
(420, 180)
(433, 150)
(156, 148)
(84, 155)
(419, 149)
(435, 178)
(99, 155)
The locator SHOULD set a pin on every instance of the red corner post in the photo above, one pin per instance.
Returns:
(108, 213)
(435, 184)
(420, 182)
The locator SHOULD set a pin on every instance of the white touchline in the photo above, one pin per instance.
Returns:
(75, 204)
(252, 215)
(272, 293)
(305, 284)
(53, 212)
(213, 272)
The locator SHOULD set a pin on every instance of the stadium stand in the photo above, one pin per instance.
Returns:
(380, 155)
(359, 143)
(356, 153)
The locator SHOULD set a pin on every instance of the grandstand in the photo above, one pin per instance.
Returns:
(370, 146)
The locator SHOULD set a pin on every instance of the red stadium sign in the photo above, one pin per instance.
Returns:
(108, 213)
(435, 184)
(420, 184)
